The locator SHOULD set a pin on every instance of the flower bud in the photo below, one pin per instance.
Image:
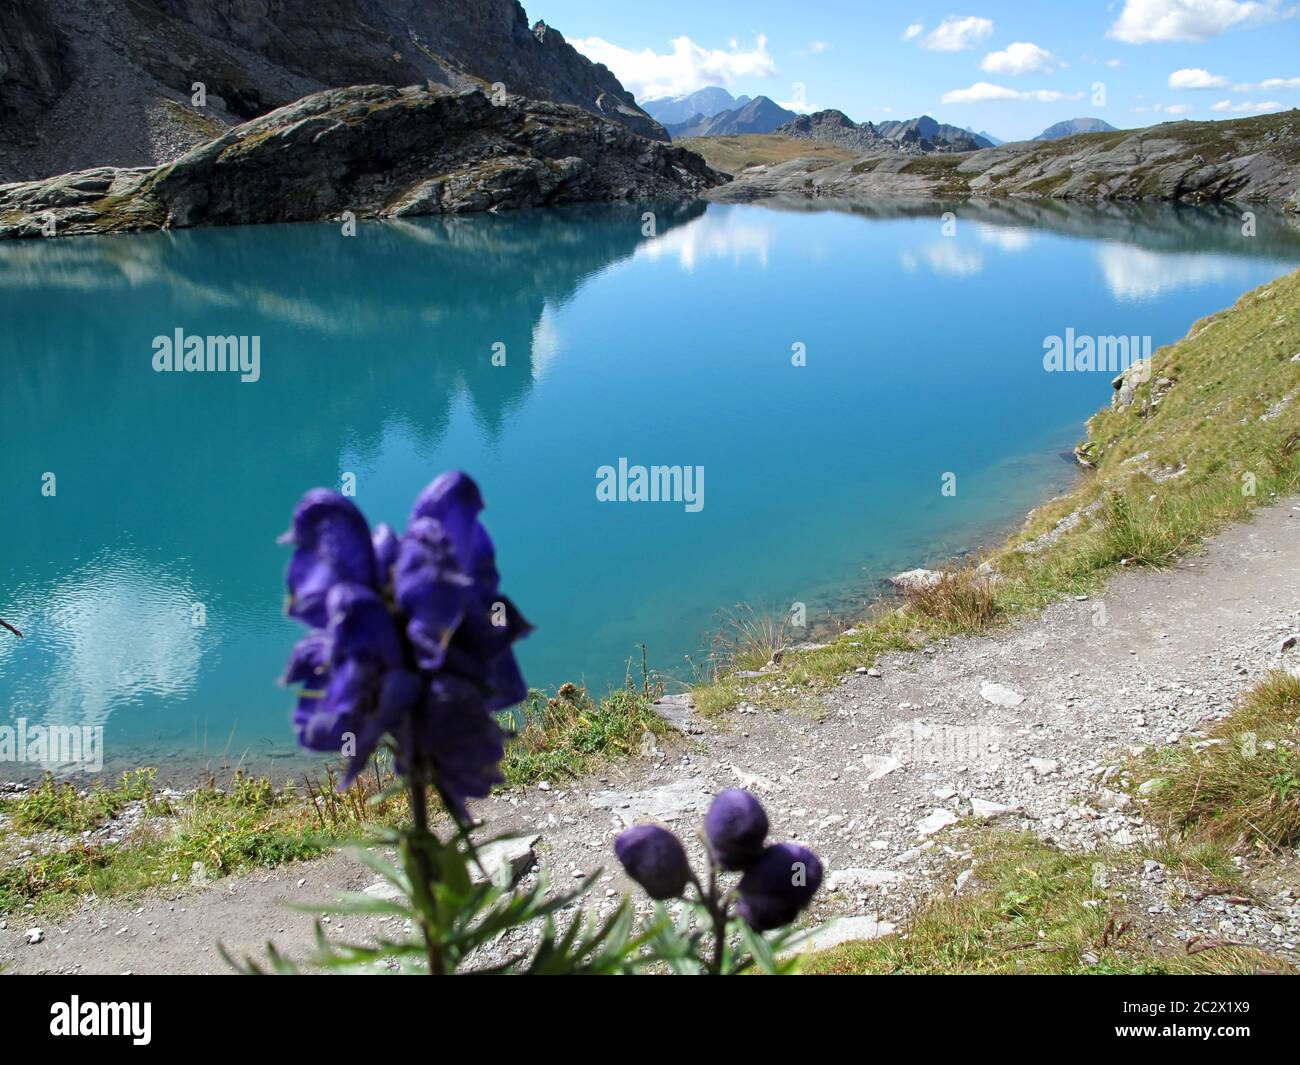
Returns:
(778, 886)
(655, 859)
(736, 827)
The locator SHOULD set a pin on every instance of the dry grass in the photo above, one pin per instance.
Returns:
(961, 599)
(734, 154)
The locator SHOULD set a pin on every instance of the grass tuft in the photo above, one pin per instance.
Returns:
(1240, 788)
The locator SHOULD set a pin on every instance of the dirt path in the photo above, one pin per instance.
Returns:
(1027, 720)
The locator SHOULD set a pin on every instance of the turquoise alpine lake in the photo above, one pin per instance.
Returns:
(668, 417)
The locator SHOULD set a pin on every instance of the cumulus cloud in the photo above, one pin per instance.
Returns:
(983, 91)
(1246, 106)
(954, 34)
(1196, 78)
(1147, 21)
(1022, 57)
(649, 74)
(914, 30)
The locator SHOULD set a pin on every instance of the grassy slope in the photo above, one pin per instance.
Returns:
(733, 154)
(1232, 418)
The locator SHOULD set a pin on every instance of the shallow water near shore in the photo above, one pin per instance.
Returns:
(148, 583)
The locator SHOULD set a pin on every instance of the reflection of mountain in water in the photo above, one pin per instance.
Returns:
(1153, 227)
(428, 299)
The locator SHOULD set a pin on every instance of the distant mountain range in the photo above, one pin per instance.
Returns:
(995, 141)
(1072, 126)
(759, 115)
(709, 101)
(915, 136)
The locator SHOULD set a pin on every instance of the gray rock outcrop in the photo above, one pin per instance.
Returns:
(373, 150)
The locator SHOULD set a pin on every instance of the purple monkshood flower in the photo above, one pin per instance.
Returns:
(778, 886)
(736, 826)
(655, 859)
(411, 638)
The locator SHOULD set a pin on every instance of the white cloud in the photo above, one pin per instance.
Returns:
(1175, 109)
(1197, 78)
(1022, 57)
(914, 30)
(816, 48)
(649, 74)
(955, 34)
(983, 91)
(1269, 85)
(1245, 106)
(1145, 21)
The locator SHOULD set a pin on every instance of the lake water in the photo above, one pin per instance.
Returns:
(923, 358)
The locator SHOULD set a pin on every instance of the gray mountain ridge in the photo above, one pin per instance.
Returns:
(111, 82)
(759, 115)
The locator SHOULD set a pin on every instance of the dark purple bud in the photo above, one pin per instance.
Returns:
(736, 826)
(655, 859)
(778, 886)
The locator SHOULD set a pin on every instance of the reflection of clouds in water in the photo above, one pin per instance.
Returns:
(1008, 240)
(547, 342)
(945, 258)
(1137, 274)
(716, 235)
(106, 636)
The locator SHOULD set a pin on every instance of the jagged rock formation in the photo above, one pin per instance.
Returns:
(835, 127)
(916, 136)
(110, 82)
(374, 150)
(759, 115)
(932, 135)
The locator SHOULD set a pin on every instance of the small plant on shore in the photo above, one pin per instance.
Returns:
(721, 930)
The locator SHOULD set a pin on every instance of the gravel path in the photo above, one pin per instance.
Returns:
(1022, 727)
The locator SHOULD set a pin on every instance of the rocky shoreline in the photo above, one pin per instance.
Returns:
(369, 151)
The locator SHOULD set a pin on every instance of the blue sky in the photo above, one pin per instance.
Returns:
(1010, 68)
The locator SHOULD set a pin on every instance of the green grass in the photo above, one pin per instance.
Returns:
(1032, 910)
(571, 733)
(1242, 790)
(731, 155)
(246, 824)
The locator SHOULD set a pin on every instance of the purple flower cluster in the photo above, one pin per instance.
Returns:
(778, 880)
(410, 638)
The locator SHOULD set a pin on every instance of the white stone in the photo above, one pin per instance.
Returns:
(1044, 767)
(34, 936)
(1000, 695)
(986, 810)
(879, 765)
(938, 818)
